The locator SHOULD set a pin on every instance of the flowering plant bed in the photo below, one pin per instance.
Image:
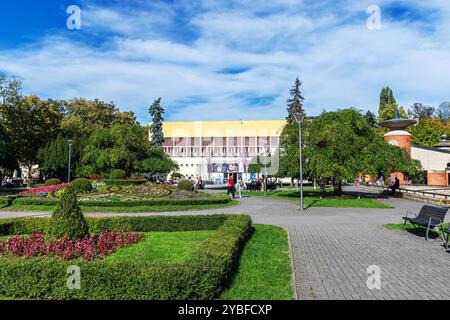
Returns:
(201, 276)
(98, 246)
(44, 191)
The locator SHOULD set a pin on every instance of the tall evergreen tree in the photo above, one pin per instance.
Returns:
(157, 112)
(370, 118)
(295, 102)
(386, 97)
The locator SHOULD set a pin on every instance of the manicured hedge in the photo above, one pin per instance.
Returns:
(4, 201)
(214, 199)
(200, 277)
(122, 182)
(138, 224)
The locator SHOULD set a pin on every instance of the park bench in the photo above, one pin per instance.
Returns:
(254, 186)
(431, 217)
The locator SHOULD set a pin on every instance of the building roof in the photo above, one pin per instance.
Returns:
(252, 128)
(431, 149)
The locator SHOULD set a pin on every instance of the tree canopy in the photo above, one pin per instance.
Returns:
(342, 144)
(428, 131)
(123, 147)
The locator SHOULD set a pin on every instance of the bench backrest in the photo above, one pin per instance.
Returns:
(434, 212)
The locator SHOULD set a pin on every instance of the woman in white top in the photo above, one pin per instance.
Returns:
(241, 187)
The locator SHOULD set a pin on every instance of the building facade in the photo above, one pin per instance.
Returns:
(215, 149)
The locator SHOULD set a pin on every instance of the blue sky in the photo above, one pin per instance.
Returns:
(215, 59)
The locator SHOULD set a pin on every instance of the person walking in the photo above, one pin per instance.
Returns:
(231, 189)
(241, 187)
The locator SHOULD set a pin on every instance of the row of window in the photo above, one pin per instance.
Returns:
(222, 141)
(217, 151)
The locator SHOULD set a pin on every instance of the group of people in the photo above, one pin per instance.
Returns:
(198, 184)
(232, 186)
(394, 182)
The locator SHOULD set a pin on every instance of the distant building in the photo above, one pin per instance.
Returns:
(435, 161)
(215, 149)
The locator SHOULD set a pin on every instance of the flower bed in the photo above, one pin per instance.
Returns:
(202, 276)
(44, 191)
(98, 246)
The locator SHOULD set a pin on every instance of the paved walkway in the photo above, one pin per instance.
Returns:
(333, 247)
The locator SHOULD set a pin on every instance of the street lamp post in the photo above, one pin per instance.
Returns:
(299, 118)
(69, 142)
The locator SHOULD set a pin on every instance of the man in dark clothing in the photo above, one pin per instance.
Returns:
(230, 188)
(395, 185)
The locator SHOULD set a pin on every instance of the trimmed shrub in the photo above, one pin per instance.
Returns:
(200, 277)
(81, 185)
(138, 224)
(53, 181)
(118, 174)
(122, 182)
(185, 185)
(67, 220)
(213, 199)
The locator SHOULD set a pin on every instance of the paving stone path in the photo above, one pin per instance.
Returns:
(333, 247)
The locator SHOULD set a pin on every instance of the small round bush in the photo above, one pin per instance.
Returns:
(51, 182)
(81, 185)
(185, 185)
(118, 174)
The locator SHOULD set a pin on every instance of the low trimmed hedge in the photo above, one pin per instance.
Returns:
(214, 199)
(6, 201)
(122, 182)
(139, 224)
(202, 276)
(52, 181)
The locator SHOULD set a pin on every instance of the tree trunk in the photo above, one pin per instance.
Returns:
(30, 175)
(337, 185)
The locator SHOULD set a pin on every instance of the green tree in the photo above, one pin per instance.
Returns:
(428, 131)
(388, 106)
(371, 118)
(29, 122)
(386, 97)
(83, 116)
(156, 112)
(7, 159)
(67, 220)
(156, 166)
(54, 156)
(388, 112)
(295, 102)
(123, 147)
(342, 144)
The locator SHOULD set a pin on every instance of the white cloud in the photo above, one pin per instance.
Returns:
(340, 61)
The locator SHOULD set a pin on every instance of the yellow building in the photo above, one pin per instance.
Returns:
(215, 149)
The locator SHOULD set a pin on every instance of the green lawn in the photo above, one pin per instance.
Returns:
(399, 226)
(167, 247)
(264, 271)
(264, 268)
(312, 199)
(125, 209)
